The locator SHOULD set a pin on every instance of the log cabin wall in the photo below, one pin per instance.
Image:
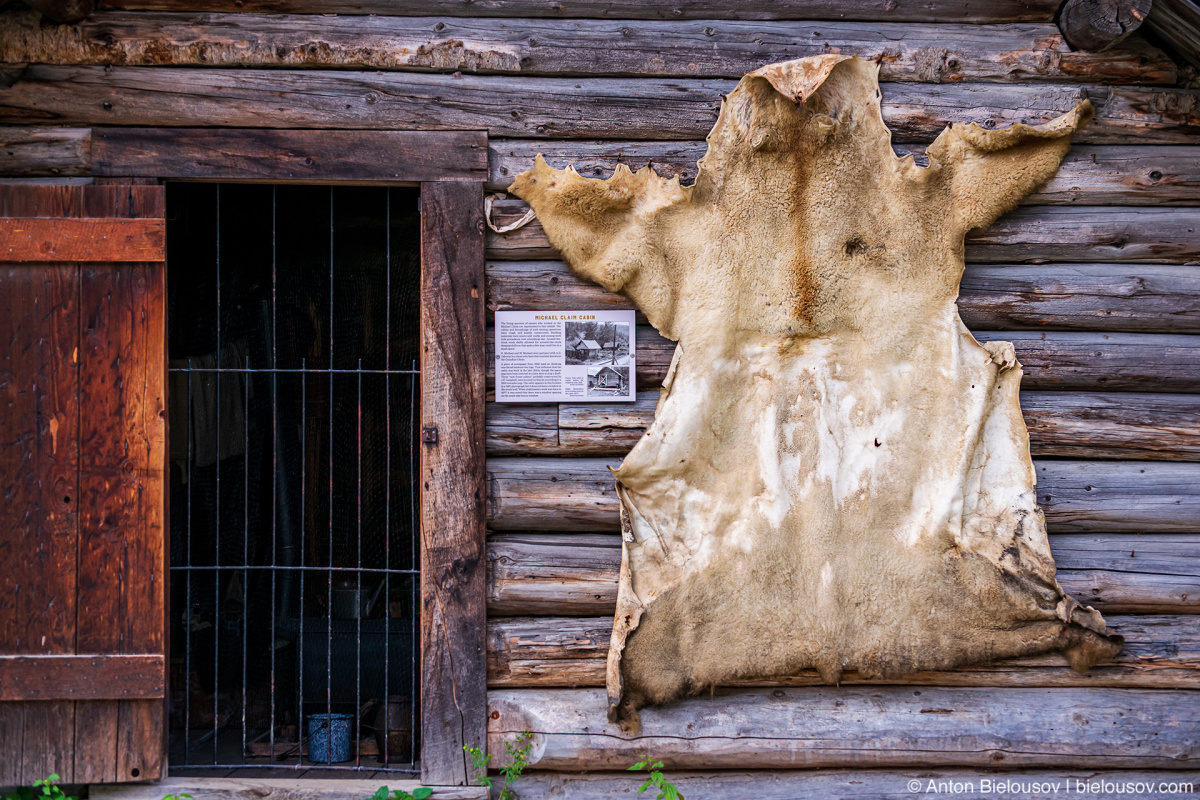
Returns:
(1095, 279)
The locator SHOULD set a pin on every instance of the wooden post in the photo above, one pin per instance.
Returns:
(453, 591)
(1094, 25)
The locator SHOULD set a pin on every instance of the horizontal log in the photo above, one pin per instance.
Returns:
(274, 155)
(44, 239)
(852, 726)
(870, 10)
(1028, 234)
(1091, 175)
(1177, 22)
(1150, 298)
(606, 108)
(54, 152)
(577, 494)
(575, 574)
(1126, 425)
(81, 677)
(1160, 652)
(860, 784)
(327, 788)
(1052, 360)
(710, 48)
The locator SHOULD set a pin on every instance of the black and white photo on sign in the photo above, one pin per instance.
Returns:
(596, 342)
(607, 381)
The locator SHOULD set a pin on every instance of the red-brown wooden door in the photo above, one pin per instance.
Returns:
(82, 459)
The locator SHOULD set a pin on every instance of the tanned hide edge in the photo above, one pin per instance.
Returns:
(838, 475)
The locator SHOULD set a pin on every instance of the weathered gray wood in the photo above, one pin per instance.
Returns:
(453, 583)
(887, 726)
(1052, 360)
(275, 788)
(1150, 298)
(1097, 25)
(858, 784)
(710, 48)
(1090, 174)
(576, 574)
(274, 155)
(59, 152)
(1029, 234)
(1160, 652)
(1125, 425)
(871, 10)
(577, 494)
(1177, 22)
(628, 108)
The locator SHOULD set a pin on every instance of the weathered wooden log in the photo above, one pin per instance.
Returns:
(1077, 496)
(709, 48)
(1161, 652)
(1090, 175)
(628, 108)
(61, 10)
(1097, 25)
(1177, 22)
(57, 152)
(1126, 425)
(869, 10)
(775, 784)
(1028, 234)
(885, 726)
(1052, 360)
(1095, 297)
(575, 574)
(289, 155)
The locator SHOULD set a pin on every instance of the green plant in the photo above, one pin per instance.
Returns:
(182, 796)
(420, 793)
(45, 788)
(518, 755)
(666, 790)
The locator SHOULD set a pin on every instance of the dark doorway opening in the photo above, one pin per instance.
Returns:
(293, 339)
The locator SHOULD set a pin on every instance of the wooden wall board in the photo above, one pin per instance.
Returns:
(871, 10)
(1052, 360)
(1109, 425)
(290, 155)
(857, 784)
(1161, 651)
(1077, 496)
(1141, 298)
(859, 726)
(583, 108)
(575, 574)
(905, 51)
(1081, 234)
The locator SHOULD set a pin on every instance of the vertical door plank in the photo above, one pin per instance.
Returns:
(453, 672)
(39, 478)
(12, 736)
(96, 750)
(123, 437)
(49, 741)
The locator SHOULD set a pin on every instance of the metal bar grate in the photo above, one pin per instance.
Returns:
(293, 338)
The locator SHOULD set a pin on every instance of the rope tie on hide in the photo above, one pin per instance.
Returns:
(512, 226)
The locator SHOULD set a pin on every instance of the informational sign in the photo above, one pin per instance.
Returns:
(559, 356)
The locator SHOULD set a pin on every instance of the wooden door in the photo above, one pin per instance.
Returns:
(82, 460)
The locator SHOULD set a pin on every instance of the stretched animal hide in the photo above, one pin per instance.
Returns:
(838, 474)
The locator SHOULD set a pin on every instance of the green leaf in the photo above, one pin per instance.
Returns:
(421, 793)
(639, 765)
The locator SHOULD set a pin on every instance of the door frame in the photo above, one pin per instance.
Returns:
(450, 168)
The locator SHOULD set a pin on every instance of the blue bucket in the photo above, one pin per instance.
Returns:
(329, 738)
